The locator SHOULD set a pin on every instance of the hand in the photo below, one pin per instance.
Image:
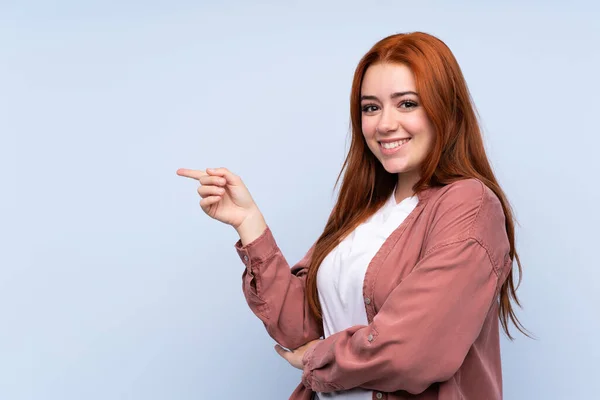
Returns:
(294, 357)
(224, 195)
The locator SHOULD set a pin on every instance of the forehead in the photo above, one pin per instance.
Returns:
(387, 78)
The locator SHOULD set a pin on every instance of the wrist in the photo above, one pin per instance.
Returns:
(252, 227)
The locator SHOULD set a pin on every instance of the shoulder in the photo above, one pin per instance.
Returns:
(466, 192)
(466, 196)
(467, 209)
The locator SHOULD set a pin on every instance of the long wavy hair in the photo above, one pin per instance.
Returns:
(457, 153)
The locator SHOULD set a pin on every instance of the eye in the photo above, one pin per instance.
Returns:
(408, 104)
(368, 108)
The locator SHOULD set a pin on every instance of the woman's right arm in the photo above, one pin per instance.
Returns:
(274, 291)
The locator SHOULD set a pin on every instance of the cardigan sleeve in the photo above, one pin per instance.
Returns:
(275, 292)
(422, 332)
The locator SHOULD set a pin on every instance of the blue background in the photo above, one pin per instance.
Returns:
(113, 282)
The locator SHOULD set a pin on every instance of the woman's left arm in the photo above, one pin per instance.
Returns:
(422, 332)
(428, 323)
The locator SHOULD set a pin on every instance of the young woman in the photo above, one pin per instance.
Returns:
(402, 295)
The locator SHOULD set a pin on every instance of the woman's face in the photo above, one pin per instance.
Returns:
(394, 124)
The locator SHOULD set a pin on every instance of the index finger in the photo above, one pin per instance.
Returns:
(191, 173)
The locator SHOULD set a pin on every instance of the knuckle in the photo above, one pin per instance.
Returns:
(202, 191)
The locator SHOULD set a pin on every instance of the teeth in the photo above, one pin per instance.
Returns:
(394, 144)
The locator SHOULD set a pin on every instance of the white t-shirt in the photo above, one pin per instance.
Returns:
(341, 275)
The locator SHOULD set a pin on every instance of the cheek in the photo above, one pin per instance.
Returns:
(368, 127)
(420, 126)
(414, 125)
(429, 133)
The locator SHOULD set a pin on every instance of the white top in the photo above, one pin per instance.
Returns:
(340, 277)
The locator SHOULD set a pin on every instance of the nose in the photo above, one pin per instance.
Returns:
(387, 122)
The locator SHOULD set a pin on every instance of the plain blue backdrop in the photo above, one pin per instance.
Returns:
(113, 282)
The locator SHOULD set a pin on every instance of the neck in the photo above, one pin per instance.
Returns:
(404, 188)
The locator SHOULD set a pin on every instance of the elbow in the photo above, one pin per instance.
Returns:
(290, 338)
(416, 375)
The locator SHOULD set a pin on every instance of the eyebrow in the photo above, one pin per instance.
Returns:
(393, 96)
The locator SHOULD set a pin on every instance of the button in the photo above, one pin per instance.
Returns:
(379, 395)
(370, 338)
(367, 301)
(245, 258)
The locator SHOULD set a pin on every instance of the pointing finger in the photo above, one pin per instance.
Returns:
(191, 173)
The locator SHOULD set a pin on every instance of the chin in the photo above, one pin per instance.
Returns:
(396, 167)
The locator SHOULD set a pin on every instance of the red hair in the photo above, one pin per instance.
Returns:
(457, 153)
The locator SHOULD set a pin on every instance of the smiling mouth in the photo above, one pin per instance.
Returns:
(392, 147)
